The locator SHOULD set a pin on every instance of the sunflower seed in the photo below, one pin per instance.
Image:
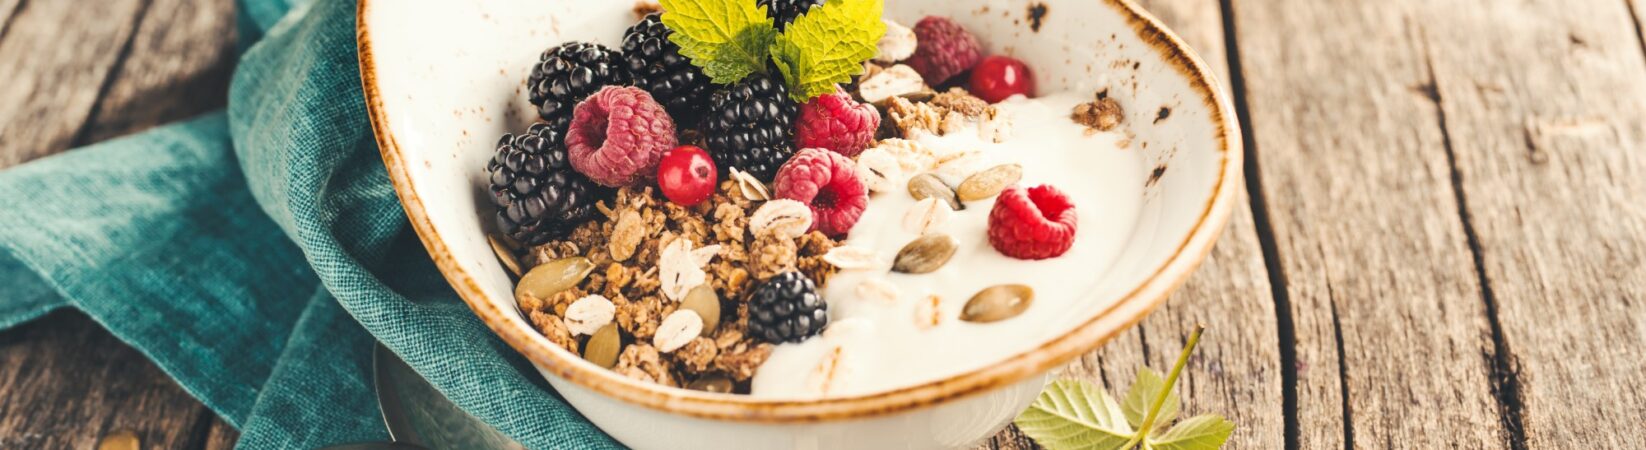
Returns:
(715, 383)
(680, 327)
(847, 257)
(588, 314)
(989, 182)
(926, 214)
(603, 346)
(927, 185)
(749, 186)
(504, 254)
(703, 301)
(926, 254)
(997, 303)
(551, 277)
(787, 218)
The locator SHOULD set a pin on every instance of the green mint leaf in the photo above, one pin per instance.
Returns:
(1073, 414)
(728, 39)
(1207, 432)
(1143, 391)
(828, 45)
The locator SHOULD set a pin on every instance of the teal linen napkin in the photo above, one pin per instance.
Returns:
(254, 254)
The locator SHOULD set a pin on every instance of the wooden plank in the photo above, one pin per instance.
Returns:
(1393, 348)
(8, 9)
(179, 66)
(1547, 125)
(1237, 371)
(221, 436)
(55, 59)
(66, 383)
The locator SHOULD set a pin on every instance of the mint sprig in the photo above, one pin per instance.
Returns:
(730, 39)
(727, 39)
(1074, 414)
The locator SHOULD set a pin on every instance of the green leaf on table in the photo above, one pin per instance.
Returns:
(1143, 393)
(828, 45)
(1072, 414)
(1204, 432)
(728, 39)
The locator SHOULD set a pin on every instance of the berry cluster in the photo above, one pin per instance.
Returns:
(645, 114)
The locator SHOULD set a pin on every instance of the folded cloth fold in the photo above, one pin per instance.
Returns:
(255, 254)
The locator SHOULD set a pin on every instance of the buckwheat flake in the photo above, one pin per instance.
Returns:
(784, 217)
(927, 312)
(926, 214)
(896, 45)
(751, 188)
(879, 170)
(878, 290)
(676, 330)
(586, 315)
(678, 270)
(848, 329)
(828, 369)
(890, 84)
(855, 258)
(911, 155)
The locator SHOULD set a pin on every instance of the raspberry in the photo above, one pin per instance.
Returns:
(1033, 223)
(944, 50)
(836, 122)
(826, 181)
(618, 135)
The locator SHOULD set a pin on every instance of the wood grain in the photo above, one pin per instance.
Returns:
(1236, 369)
(51, 86)
(1546, 122)
(64, 381)
(1393, 348)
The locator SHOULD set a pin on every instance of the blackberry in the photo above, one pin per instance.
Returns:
(538, 195)
(749, 125)
(568, 73)
(656, 65)
(783, 12)
(786, 308)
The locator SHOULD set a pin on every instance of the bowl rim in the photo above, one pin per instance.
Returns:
(1094, 332)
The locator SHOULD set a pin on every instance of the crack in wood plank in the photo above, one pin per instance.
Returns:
(1286, 334)
(109, 77)
(1636, 16)
(9, 9)
(1505, 381)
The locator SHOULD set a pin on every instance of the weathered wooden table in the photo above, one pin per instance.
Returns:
(1445, 244)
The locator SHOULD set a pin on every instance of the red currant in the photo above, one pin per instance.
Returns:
(998, 77)
(686, 175)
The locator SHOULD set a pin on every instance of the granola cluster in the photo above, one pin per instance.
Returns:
(647, 253)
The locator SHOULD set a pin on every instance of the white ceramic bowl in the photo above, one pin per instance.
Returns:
(444, 79)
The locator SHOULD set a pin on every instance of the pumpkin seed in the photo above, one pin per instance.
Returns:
(927, 185)
(504, 254)
(706, 304)
(551, 277)
(926, 254)
(603, 347)
(989, 182)
(715, 383)
(997, 303)
(120, 440)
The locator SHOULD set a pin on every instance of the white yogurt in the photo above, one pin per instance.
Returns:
(873, 345)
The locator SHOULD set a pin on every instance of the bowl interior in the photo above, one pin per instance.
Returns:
(446, 79)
